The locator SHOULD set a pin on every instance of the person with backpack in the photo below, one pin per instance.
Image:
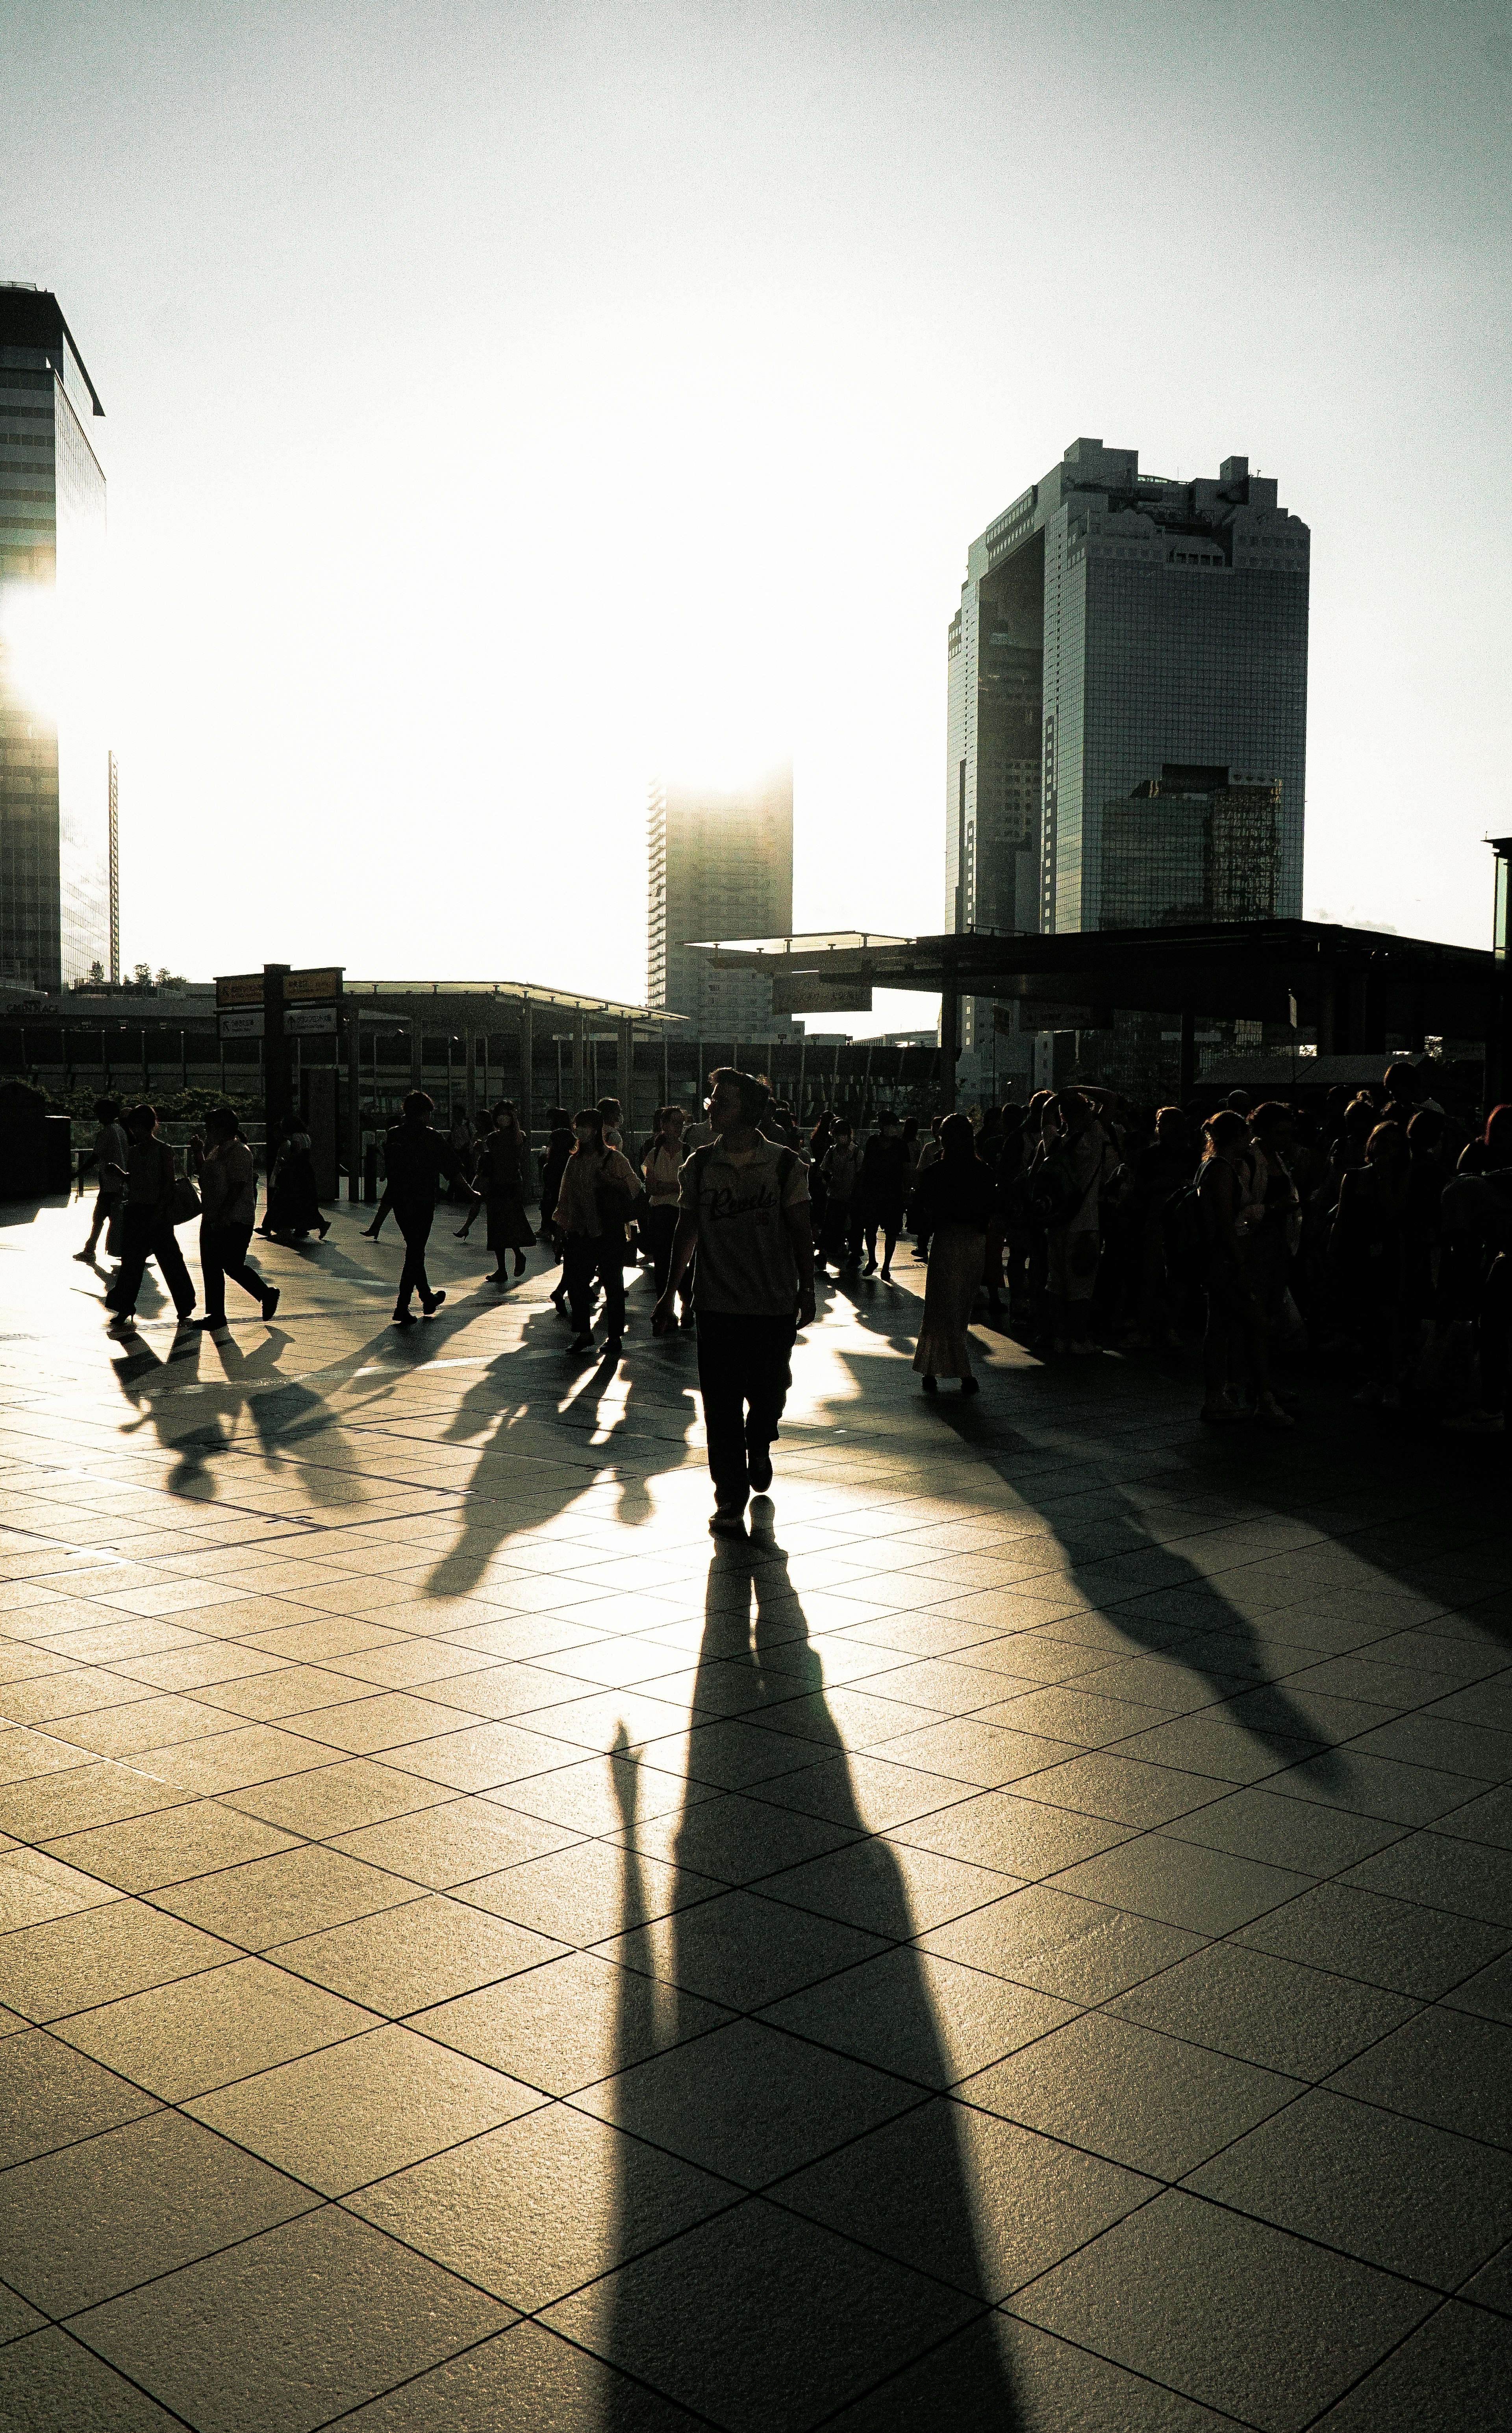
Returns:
(597, 1190)
(662, 1166)
(745, 1212)
(151, 1177)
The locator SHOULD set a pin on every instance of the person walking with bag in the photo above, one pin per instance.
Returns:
(227, 1194)
(599, 1188)
(155, 1194)
(745, 1212)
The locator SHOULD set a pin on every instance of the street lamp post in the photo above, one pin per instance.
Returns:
(1499, 1028)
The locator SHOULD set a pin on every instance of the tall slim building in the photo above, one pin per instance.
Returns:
(54, 780)
(1127, 647)
(720, 867)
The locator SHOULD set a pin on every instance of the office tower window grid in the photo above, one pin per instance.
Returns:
(719, 865)
(54, 780)
(1114, 624)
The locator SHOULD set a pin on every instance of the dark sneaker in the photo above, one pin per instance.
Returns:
(727, 1521)
(759, 1463)
(404, 1318)
(270, 1302)
(434, 1304)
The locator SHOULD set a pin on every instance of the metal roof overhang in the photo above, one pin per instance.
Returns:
(514, 993)
(1256, 969)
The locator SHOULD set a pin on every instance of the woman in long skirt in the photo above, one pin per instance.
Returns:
(956, 1203)
(503, 1176)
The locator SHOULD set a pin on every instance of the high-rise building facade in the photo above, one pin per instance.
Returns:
(1125, 641)
(54, 776)
(721, 866)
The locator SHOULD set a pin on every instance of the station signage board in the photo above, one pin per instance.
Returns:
(240, 1022)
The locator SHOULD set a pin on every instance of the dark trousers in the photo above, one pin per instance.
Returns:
(659, 1227)
(149, 1235)
(587, 1255)
(745, 1370)
(414, 1222)
(223, 1254)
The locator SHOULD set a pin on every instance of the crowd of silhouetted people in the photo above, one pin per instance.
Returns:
(1375, 1226)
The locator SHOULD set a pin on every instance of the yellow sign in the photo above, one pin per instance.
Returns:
(239, 988)
(305, 988)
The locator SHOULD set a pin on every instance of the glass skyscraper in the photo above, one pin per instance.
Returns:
(721, 866)
(1128, 704)
(55, 774)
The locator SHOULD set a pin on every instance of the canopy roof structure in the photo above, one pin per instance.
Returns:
(518, 993)
(1351, 985)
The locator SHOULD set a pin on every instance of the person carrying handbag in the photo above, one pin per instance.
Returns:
(228, 1185)
(152, 1179)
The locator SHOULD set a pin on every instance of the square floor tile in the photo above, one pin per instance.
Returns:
(405, 1958)
(1019, 1837)
(1141, 2098)
(341, 2117)
(51, 2095)
(184, 2038)
(34, 1887)
(1259, 1823)
(1227, 2311)
(454, 1844)
(1442, 2067)
(1305, 2022)
(50, 2380)
(250, 2341)
(1183, 1883)
(1401, 1945)
(747, 2102)
(1414, 2199)
(888, 1888)
(1374, 1786)
(586, 1893)
(1123, 1789)
(566, 2025)
(338, 1798)
(805, 2320)
(72, 1963)
(1451, 2377)
(999, 2370)
(535, 2209)
(296, 1892)
(1445, 1874)
(1082, 1951)
(927, 2019)
(100, 2217)
(146, 1852)
(740, 1950)
(523, 2380)
(978, 2201)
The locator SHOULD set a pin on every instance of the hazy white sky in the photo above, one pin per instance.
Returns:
(504, 398)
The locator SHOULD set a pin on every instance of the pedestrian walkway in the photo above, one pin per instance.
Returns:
(1024, 1942)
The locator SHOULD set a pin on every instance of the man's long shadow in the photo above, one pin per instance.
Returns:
(1107, 1561)
(772, 2106)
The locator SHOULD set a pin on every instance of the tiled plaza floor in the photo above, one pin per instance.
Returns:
(1027, 1943)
